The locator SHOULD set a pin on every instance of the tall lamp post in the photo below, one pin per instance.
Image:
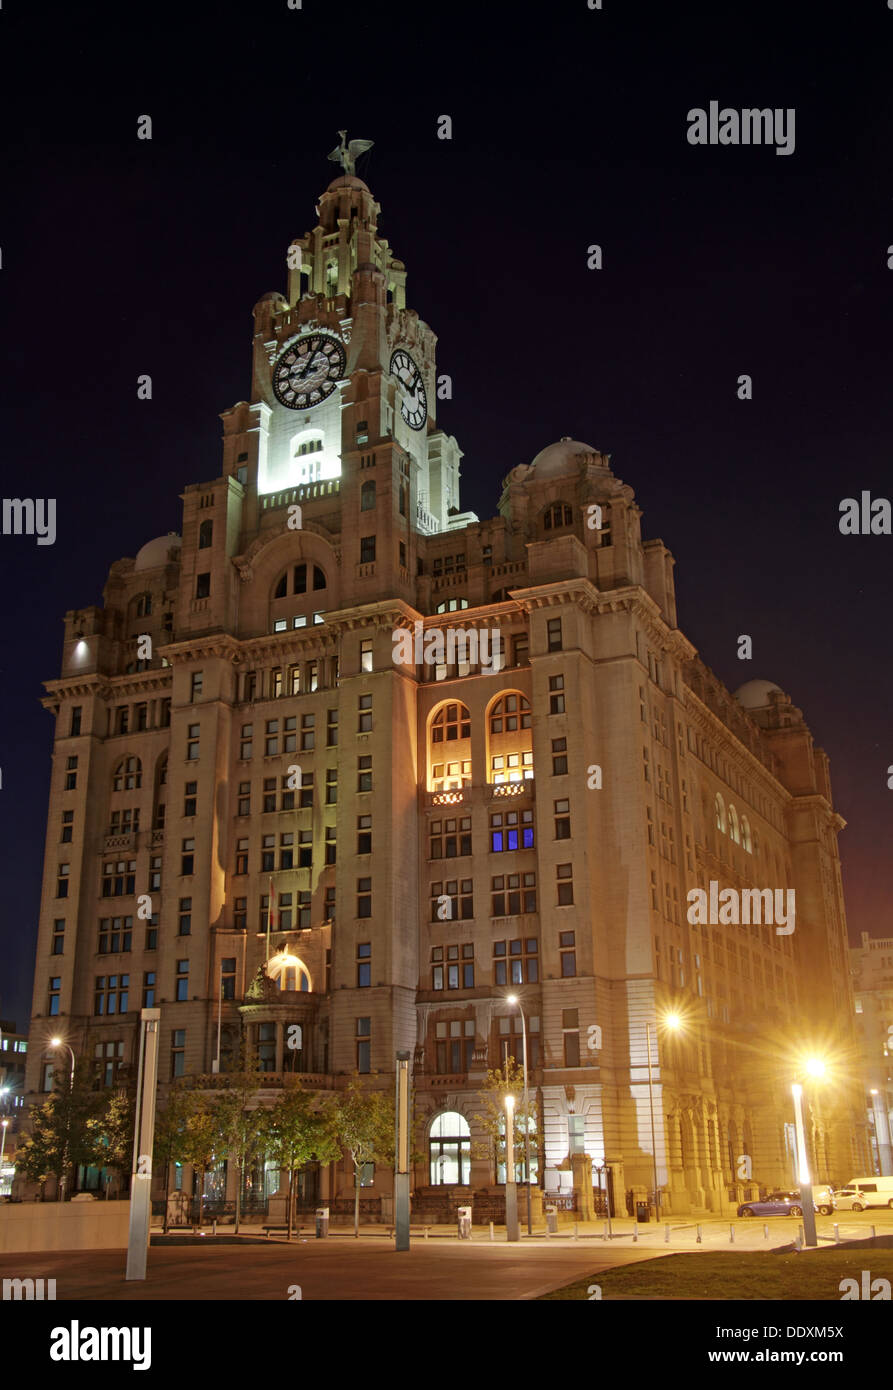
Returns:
(511, 1187)
(55, 1044)
(813, 1067)
(673, 1022)
(513, 999)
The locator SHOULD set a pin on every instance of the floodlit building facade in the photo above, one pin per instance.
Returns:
(424, 762)
(871, 964)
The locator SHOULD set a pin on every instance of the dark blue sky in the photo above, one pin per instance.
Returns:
(121, 257)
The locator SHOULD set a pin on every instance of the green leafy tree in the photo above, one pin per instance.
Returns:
(296, 1132)
(362, 1121)
(110, 1132)
(200, 1143)
(170, 1134)
(501, 1081)
(61, 1136)
(241, 1120)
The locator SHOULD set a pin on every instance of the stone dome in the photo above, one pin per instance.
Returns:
(755, 694)
(559, 459)
(157, 552)
(347, 181)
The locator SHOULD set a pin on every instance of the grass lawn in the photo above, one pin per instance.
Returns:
(716, 1275)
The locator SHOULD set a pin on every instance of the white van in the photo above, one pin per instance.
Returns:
(860, 1193)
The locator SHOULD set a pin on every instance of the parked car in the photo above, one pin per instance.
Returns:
(823, 1200)
(860, 1193)
(775, 1204)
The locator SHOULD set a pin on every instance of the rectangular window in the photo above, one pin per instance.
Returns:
(305, 795)
(553, 630)
(55, 992)
(450, 839)
(366, 654)
(67, 827)
(329, 905)
(111, 994)
(364, 964)
(286, 850)
(246, 743)
(71, 776)
(228, 977)
(203, 585)
(59, 936)
(240, 914)
(305, 849)
(149, 989)
(115, 935)
(364, 714)
(452, 900)
(268, 854)
(271, 738)
(562, 819)
(118, 878)
(331, 728)
(364, 774)
(178, 1052)
(568, 952)
(182, 981)
(564, 874)
(510, 830)
(189, 798)
(290, 739)
(367, 549)
(196, 686)
(184, 919)
(122, 719)
(575, 1130)
(308, 733)
(152, 933)
(76, 712)
(511, 894)
(364, 1045)
(192, 742)
(187, 857)
(364, 897)
(559, 757)
(276, 681)
(570, 1027)
(269, 794)
(556, 696)
(364, 834)
(331, 786)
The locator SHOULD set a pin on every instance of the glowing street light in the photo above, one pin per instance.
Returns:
(673, 1022)
(815, 1067)
(511, 1187)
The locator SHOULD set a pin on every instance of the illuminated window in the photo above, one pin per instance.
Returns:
(510, 739)
(511, 830)
(449, 1147)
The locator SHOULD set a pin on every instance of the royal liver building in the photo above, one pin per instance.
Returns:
(339, 768)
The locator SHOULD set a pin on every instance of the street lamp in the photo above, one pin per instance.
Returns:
(513, 999)
(815, 1067)
(56, 1043)
(674, 1023)
(4, 1123)
(511, 1187)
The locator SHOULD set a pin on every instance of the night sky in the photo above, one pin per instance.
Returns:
(122, 257)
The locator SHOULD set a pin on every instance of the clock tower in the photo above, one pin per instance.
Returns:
(344, 387)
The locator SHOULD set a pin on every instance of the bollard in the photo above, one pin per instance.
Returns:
(666, 1234)
(575, 1230)
(731, 1235)
(635, 1230)
(873, 1233)
(426, 1232)
(836, 1234)
(765, 1230)
(605, 1232)
(700, 1237)
(798, 1238)
(492, 1237)
(214, 1227)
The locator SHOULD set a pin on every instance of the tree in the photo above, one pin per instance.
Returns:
(61, 1136)
(362, 1121)
(500, 1082)
(295, 1133)
(242, 1122)
(200, 1140)
(170, 1135)
(110, 1131)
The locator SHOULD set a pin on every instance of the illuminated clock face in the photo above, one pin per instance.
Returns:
(413, 400)
(309, 370)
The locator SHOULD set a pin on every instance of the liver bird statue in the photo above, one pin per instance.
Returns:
(346, 154)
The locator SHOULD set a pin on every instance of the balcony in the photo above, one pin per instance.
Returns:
(307, 492)
(114, 842)
(489, 791)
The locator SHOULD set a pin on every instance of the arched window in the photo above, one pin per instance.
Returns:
(141, 605)
(367, 496)
(289, 972)
(449, 748)
(746, 838)
(452, 605)
(205, 534)
(305, 574)
(449, 1149)
(734, 832)
(720, 810)
(510, 739)
(557, 515)
(282, 587)
(128, 775)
